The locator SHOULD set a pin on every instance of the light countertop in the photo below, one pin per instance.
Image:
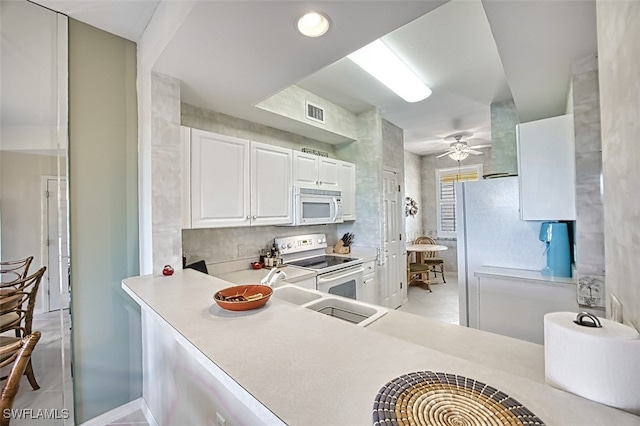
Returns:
(365, 253)
(523, 274)
(308, 368)
(248, 276)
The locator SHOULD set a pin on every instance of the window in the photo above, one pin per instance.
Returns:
(446, 192)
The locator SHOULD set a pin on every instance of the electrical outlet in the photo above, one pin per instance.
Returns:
(220, 421)
(240, 250)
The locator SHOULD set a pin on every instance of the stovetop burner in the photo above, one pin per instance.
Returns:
(319, 263)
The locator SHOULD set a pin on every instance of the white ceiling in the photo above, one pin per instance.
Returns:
(230, 55)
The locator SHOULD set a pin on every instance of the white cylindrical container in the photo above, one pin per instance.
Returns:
(600, 364)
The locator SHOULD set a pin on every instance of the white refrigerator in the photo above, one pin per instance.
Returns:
(490, 233)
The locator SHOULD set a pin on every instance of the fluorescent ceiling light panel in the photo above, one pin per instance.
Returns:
(380, 61)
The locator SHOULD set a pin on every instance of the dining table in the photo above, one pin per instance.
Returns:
(422, 248)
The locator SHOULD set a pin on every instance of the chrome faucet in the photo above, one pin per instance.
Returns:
(273, 277)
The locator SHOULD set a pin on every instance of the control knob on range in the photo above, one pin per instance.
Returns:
(283, 246)
(289, 245)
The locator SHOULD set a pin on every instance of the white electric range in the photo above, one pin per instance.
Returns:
(336, 274)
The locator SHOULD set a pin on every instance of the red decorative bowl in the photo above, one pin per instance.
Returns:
(257, 265)
(243, 297)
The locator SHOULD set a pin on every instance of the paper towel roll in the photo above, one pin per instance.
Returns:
(600, 364)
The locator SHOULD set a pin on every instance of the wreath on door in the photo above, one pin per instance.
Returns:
(411, 207)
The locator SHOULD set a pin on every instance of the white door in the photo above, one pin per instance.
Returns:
(271, 193)
(394, 260)
(220, 194)
(57, 278)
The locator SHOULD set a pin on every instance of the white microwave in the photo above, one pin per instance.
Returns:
(316, 206)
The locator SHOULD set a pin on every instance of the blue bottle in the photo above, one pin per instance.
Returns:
(556, 237)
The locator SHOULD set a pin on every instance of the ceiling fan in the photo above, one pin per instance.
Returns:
(459, 150)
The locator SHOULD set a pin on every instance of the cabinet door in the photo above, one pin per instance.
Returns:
(369, 290)
(516, 308)
(219, 180)
(271, 191)
(348, 187)
(305, 170)
(329, 173)
(546, 169)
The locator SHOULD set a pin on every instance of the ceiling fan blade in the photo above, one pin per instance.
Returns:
(446, 153)
(473, 151)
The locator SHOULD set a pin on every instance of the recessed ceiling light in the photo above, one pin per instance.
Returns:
(381, 62)
(313, 24)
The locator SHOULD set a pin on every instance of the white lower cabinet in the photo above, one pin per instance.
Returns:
(368, 292)
(236, 182)
(515, 307)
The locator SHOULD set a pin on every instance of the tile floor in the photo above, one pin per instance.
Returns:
(48, 370)
(441, 304)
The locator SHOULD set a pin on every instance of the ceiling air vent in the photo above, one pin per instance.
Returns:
(314, 112)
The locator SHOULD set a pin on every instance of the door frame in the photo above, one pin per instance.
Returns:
(45, 285)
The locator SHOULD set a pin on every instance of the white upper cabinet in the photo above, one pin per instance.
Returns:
(312, 171)
(546, 169)
(220, 192)
(271, 192)
(347, 180)
(235, 182)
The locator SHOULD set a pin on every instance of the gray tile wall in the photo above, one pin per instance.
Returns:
(165, 172)
(618, 64)
(367, 154)
(291, 103)
(504, 118)
(589, 236)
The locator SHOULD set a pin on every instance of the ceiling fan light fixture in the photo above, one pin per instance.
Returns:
(313, 24)
(382, 63)
(458, 155)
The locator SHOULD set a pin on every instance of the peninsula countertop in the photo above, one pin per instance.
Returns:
(308, 368)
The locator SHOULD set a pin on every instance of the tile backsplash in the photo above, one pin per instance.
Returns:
(217, 245)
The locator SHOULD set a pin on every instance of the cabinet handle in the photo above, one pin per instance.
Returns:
(248, 217)
(320, 183)
(255, 217)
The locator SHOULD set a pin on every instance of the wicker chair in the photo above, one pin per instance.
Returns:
(418, 271)
(17, 303)
(18, 356)
(430, 258)
(12, 270)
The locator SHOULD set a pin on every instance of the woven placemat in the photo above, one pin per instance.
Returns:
(441, 399)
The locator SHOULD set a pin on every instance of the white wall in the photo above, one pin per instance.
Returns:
(413, 189)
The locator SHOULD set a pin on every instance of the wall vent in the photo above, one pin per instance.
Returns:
(314, 112)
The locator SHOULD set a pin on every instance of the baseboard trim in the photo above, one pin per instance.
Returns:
(119, 412)
(147, 413)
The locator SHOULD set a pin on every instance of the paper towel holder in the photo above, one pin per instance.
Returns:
(580, 320)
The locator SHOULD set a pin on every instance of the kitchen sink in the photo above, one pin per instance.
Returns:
(349, 310)
(296, 295)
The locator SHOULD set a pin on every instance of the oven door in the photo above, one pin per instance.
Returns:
(344, 282)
